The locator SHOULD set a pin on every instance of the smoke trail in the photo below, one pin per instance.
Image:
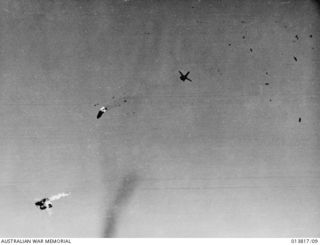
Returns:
(126, 189)
(58, 196)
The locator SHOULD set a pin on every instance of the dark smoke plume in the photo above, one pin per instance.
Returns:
(125, 190)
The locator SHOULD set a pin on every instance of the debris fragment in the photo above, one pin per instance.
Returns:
(299, 119)
(297, 37)
(295, 58)
(266, 83)
(310, 35)
(251, 50)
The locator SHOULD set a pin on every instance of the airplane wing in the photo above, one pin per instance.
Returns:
(187, 73)
(40, 202)
(180, 73)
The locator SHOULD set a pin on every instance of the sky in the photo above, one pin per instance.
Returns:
(222, 156)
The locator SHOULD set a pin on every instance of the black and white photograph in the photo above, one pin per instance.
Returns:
(160, 119)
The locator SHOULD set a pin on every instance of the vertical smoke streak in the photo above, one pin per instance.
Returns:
(140, 70)
(126, 188)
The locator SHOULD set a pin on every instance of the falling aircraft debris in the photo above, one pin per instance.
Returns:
(46, 202)
(115, 103)
(102, 110)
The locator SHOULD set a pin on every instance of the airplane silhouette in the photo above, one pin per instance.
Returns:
(44, 203)
(102, 110)
(184, 77)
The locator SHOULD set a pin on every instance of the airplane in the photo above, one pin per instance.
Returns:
(44, 203)
(184, 77)
(102, 110)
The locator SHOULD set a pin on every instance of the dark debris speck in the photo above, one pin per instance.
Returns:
(295, 58)
(251, 50)
(299, 119)
(310, 36)
(243, 37)
(297, 37)
(229, 44)
(266, 83)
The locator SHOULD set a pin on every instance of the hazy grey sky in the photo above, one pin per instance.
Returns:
(222, 156)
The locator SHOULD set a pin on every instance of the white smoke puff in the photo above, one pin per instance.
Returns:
(58, 196)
